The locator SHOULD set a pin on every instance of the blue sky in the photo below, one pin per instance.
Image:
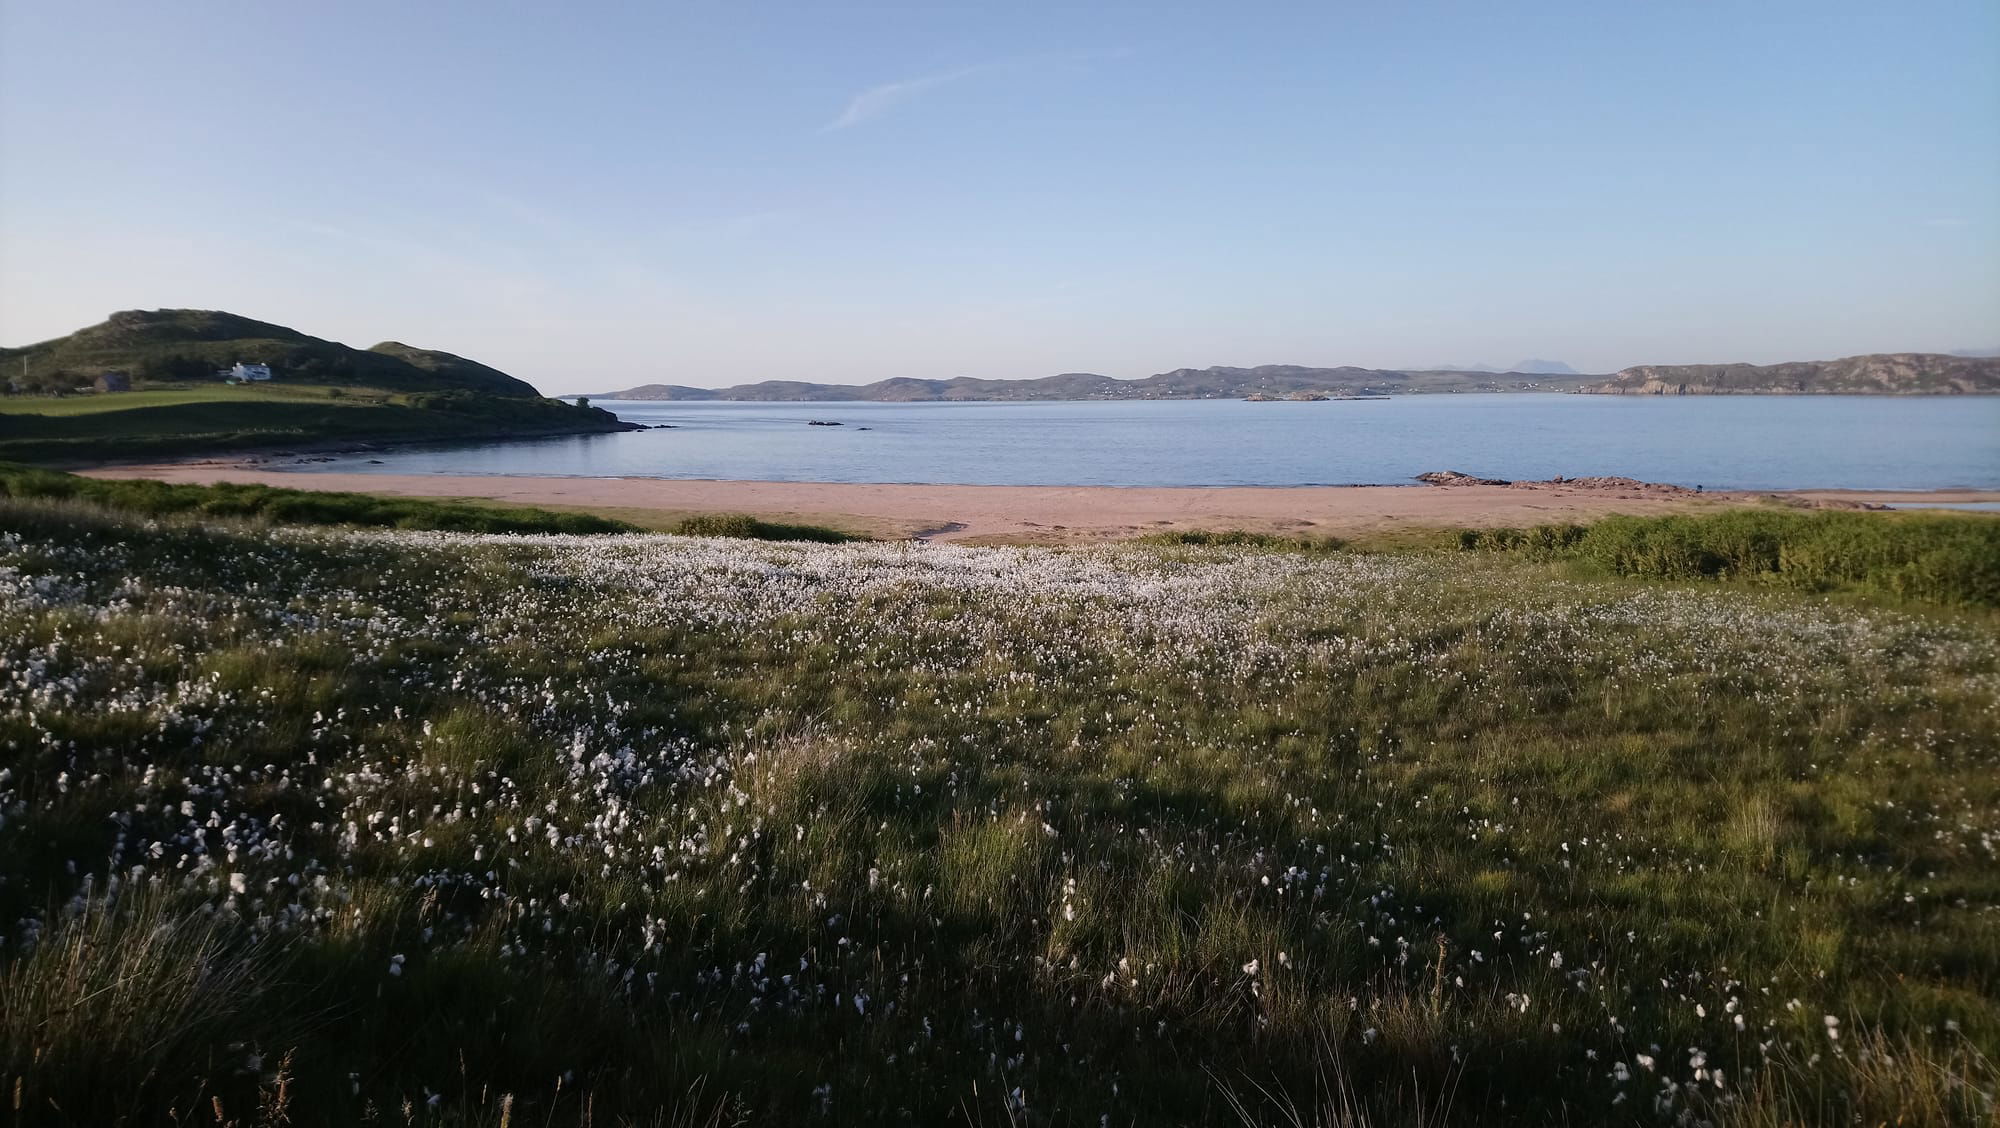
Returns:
(597, 195)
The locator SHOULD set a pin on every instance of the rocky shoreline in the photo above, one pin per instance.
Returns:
(1634, 489)
(1628, 486)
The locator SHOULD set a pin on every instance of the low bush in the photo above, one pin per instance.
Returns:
(1541, 538)
(746, 527)
(1926, 557)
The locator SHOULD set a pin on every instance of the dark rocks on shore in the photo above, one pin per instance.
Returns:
(1456, 478)
(1625, 487)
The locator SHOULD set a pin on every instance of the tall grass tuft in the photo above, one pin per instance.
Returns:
(126, 1008)
(1338, 1102)
(1885, 1079)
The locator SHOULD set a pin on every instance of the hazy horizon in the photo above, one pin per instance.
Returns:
(597, 198)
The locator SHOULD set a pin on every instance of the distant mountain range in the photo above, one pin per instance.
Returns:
(1891, 374)
(1875, 374)
(1276, 380)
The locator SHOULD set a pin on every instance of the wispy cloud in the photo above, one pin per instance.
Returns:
(878, 99)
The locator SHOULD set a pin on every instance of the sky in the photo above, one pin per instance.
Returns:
(598, 195)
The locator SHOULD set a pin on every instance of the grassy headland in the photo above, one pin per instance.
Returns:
(324, 393)
(188, 346)
(436, 828)
(214, 420)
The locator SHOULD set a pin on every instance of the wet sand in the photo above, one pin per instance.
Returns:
(1036, 514)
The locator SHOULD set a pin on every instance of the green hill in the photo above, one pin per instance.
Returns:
(165, 346)
(321, 391)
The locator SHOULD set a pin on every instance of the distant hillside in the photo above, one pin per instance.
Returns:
(1181, 383)
(1528, 367)
(1897, 374)
(188, 345)
(1543, 368)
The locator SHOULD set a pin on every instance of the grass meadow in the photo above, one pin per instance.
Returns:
(332, 826)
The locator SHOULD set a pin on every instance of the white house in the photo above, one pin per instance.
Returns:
(243, 373)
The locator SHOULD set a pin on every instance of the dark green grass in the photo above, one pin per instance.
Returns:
(745, 527)
(326, 507)
(291, 507)
(1921, 557)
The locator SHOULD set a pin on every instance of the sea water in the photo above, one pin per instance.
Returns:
(1719, 442)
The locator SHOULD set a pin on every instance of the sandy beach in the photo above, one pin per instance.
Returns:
(1040, 514)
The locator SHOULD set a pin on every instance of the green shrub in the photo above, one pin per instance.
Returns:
(746, 527)
(1540, 539)
(1928, 557)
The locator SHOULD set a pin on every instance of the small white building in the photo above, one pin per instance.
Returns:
(244, 373)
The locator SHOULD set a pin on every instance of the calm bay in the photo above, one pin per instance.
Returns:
(1719, 442)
